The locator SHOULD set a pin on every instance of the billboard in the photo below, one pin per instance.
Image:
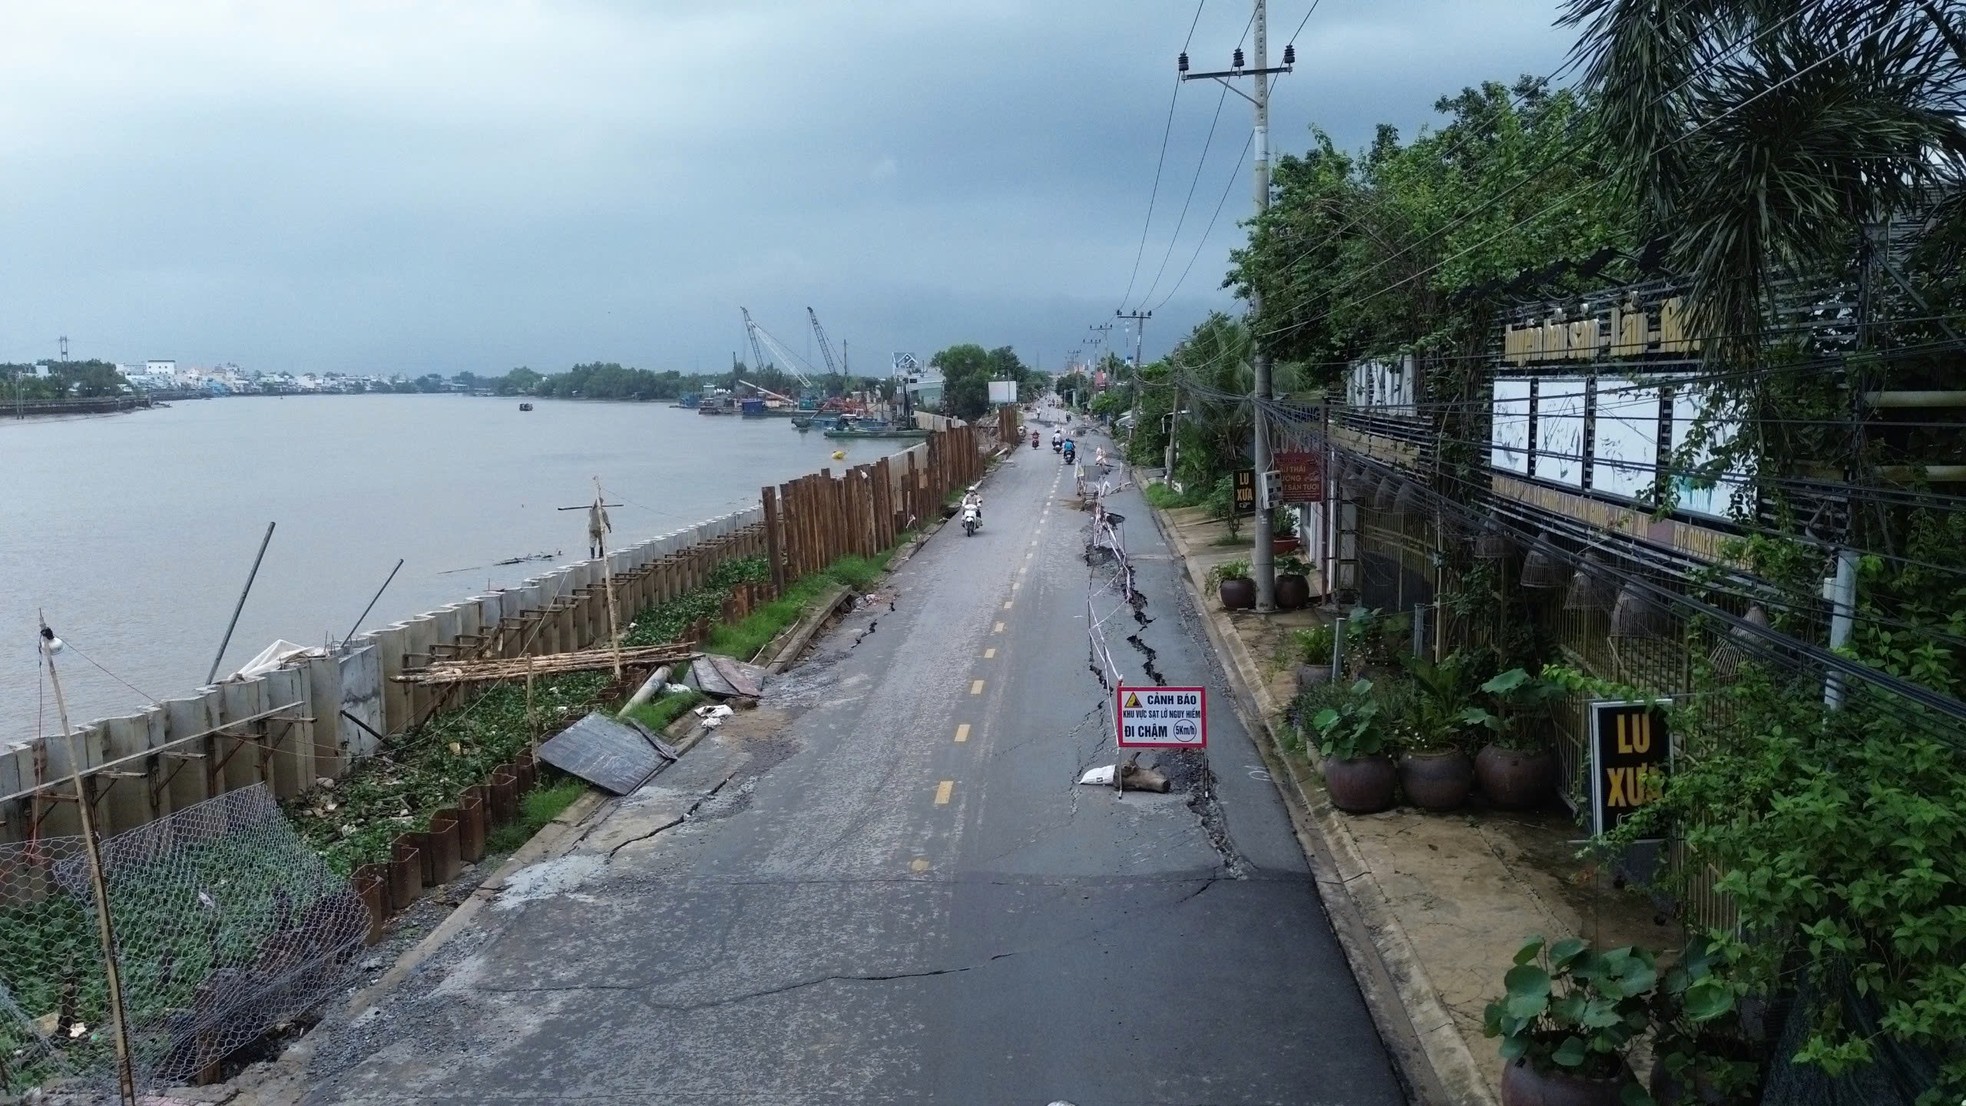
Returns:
(1003, 391)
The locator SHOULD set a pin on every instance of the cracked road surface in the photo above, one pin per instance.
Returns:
(883, 886)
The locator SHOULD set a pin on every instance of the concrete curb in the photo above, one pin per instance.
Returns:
(1432, 1058)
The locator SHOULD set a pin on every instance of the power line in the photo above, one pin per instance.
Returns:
(1235, 173)
(1154, 193)
(1200, 164)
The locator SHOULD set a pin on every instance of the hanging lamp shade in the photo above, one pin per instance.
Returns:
(1637, 614)
(1590, 589)
(1739, 644)
(1493, 544)
(1541, 569)
(1408, 501)
(1355, 481)
(1383, 499)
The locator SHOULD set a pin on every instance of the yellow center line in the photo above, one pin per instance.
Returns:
(989, 654)
(976, 687)
(919, 864)
(962, 733)
(1006, 604)
(942, 792)
(999, 629)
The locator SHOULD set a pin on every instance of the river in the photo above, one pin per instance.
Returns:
(135, 532)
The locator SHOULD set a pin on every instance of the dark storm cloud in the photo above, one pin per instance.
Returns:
(403, 186)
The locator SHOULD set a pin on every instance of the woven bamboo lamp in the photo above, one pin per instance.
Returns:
(1409, 500)
(1383, 499)
(1638, 615)
(1541, 569)
(1590, 590)
(1493, 544)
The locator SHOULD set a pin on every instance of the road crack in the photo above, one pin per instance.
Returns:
(673, 822)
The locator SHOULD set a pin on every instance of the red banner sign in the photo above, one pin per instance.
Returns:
(1303, 477)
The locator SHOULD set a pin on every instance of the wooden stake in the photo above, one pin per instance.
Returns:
(607, 574)
(105, 926)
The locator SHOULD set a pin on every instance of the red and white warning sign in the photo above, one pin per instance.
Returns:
(1162, 717)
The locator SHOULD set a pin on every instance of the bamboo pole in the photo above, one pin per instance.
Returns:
(105, 925)
(607, 576)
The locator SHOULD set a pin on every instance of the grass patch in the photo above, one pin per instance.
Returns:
(1228, 540)
(540, 806)
(1166, 498)
(659, 714)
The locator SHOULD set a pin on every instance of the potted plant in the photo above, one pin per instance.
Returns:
(1231, 581)
(1434, 768)
(1700, 1056)
(1353, 738)
(1314, 655)
(1293, 584)
(1568, 1016)
(1283, 531)
(1516, 767)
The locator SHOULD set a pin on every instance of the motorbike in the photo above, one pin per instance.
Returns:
(1056, 446)
(1069, 453)
(1034, 441)
(972, 518)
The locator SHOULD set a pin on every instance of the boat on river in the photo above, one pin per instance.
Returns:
(525, 407)
(871, 428)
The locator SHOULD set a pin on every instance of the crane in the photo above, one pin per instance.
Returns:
(761, 340)
(824, 346)
(757, 351)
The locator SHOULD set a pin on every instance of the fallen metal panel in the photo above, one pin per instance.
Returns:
(741, 678)
(607, 753)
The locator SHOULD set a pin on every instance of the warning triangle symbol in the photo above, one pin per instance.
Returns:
(1132, 700)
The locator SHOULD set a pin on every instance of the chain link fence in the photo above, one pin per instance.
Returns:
(226, 926)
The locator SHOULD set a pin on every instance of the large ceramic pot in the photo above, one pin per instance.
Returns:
(1238, 594)
(1524, 1085)
(1361, 785)
(1436, 779)
(1513, 779)
(1293, 592)
(1283, 546)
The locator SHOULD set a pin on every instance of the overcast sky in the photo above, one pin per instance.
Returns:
(413, 185)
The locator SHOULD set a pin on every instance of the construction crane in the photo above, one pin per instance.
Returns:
(761, 340)
(825, 347)
(757, 351)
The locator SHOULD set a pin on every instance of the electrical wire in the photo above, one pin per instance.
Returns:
(1200, 164)
(1154, 193)
(1235, 171)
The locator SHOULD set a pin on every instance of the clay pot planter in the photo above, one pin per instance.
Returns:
(1437, 780)
(1293, 592)
(1361, 785)
(1514, 779)
(1524, 1085)
(1283, 546)
(1312, 675)
(1238, 594)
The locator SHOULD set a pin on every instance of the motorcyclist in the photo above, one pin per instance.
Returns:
(1034, 439)
(973, 499)
(1071, 450)
(1057, 440)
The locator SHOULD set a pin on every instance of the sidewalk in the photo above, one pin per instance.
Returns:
(1440, 902)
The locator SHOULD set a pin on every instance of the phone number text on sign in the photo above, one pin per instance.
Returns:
(1162, 717)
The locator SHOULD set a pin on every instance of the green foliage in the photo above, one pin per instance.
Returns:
(967, 370)
(1357, 252)
(540, 806)
(1837, 837)
(1354, 725)
(1228, 570)
(1568, 1007)
(1433, 701)
(1694, 1038)
(1221, 504)
(659, 714)
(1314, 643)
(1516, 708)
(1166, 498)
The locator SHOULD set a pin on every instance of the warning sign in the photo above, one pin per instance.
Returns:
(1162, 717)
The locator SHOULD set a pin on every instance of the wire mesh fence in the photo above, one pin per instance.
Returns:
(225, 926)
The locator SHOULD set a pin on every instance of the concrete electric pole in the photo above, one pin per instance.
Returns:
(1139, 334)
(1262, 565)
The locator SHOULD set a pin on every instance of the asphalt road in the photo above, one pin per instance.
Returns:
(885, 886)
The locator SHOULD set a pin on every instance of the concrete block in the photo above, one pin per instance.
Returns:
(324, 704)
(125, 800)
(246, 746)
(390, 643)
(291, 736)
(363, 703)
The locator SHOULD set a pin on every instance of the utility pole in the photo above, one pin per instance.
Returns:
(1262, 565)
(1139, 334)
